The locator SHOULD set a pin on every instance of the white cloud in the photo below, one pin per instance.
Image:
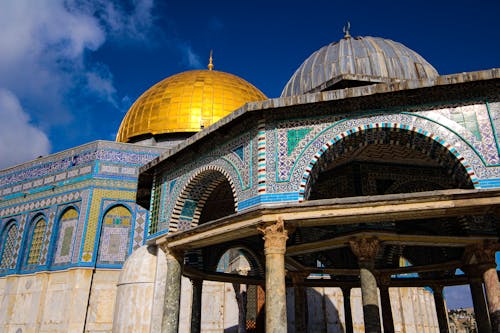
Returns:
(189, 57)
(19, 139)
(44, 53)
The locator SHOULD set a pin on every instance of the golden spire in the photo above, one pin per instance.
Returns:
(210, 63)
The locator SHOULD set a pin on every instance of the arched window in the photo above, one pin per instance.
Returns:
(115, 236)
(66, 237)
(8, 249)
(37, 237)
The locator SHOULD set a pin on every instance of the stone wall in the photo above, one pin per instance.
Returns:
(57, 301)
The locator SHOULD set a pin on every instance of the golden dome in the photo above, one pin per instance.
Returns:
(186, 102)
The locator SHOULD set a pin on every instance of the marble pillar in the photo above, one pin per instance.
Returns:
(492, 288)
(196, 305)
(482, 258)
(275, 236)
(365, 249)
(170, 322)
(442, 313)
(346, 293)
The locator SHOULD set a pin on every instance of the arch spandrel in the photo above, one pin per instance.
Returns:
(188, 194)
(424, 143)
(333, 132)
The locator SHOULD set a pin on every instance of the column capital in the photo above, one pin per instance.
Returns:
(364, 248)
(481, 255)
(171, 253)
(275, 236)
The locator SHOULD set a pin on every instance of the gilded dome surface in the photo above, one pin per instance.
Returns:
(186, 102)
(361, 59)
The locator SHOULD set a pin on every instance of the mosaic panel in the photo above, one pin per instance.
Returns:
(94, 216)
(241, 167)
(190, 183)
(140, 227)
(66, 236)
(473, 123)
(8, 247)
(44, 202)
(114, 244)
(330, 130)
(67, 165)
(80, 226)
(190, 202)
(115, 235)
(37, 238)
(46, 244)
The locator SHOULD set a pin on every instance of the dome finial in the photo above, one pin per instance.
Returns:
(210, 61)
(346, 29)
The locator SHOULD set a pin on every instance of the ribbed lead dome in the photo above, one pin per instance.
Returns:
(355, 61)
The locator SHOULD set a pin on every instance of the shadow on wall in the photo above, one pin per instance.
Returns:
(323, 315)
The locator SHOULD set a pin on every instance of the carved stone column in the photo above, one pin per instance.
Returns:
(365, 249)
(275, 237)
(346, 293)
(483, 258)
(478, 298)
(196, 305)
(300, 296)
(442, 314)
(170, 321)
(385, 301)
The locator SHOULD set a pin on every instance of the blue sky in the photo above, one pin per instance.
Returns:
(69, 70)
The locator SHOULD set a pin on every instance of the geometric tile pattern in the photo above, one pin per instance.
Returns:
(114, 244)
(191, 201)
(115, 236)
(55, 200)
(66, 237)
(412, 138)
(8, 250)
(37, 237)
(140, 227)
(94, 216)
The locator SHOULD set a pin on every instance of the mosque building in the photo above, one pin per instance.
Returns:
(345, 205)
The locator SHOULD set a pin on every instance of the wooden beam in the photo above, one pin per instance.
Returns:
(221, 277)
(386, 238)
(402, 207)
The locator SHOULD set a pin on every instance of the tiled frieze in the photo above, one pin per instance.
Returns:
(74, 164)
(290, 161)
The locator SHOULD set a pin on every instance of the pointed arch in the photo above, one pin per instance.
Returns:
(198, 189)
(114, 240)
(426, 142)
(35, 240)
(8, 245)
(65, 242)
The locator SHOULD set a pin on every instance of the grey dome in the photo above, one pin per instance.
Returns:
(355, 61)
